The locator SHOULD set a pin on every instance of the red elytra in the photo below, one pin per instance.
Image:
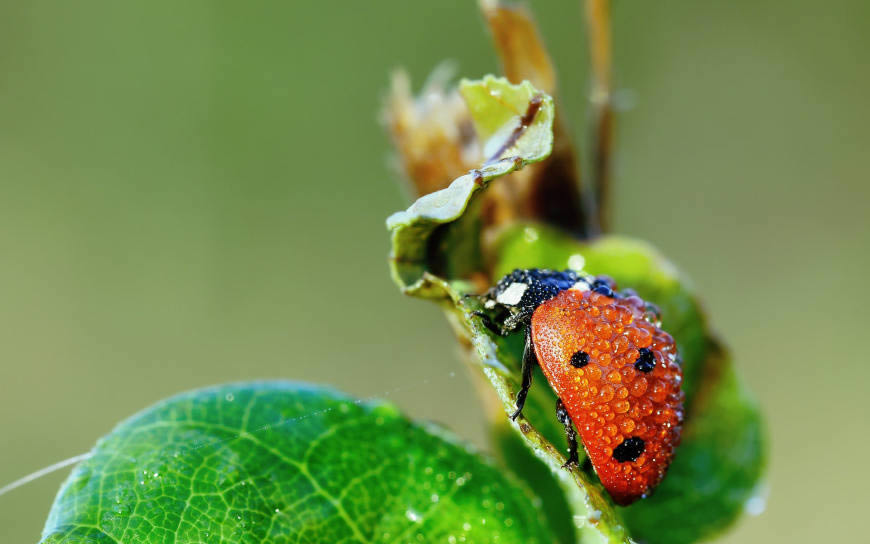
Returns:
(626, 406)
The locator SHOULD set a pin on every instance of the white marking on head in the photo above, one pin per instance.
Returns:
(581, 285)
(512, 295)
(489, 304)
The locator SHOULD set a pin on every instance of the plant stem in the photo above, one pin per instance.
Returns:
(598, 32)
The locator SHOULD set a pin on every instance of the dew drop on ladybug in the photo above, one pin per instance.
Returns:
(614, 370)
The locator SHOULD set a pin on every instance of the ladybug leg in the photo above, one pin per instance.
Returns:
(570, 434)
(517, 320)
(490, 324)
(529, 362)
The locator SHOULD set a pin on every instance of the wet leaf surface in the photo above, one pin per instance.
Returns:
(278, 462)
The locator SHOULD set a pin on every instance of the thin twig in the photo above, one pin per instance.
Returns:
(598, 25)
(43, 471)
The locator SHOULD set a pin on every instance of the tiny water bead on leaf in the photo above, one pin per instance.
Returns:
(598, 350)
(279, 462)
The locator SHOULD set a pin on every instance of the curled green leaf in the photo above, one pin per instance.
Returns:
(278, 462)
(515, 124)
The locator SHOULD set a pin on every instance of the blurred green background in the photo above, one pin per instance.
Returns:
(195, 192)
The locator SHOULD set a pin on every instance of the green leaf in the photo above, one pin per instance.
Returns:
(510, 120)
(720, 462)
(281, 462)
(435, 250)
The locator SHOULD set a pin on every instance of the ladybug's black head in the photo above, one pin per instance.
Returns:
(526, 289)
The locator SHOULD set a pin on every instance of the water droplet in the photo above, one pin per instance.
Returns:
(230, 397)
(638, 386)
(594, 372)
(466, 526)
(413, 515)
(530, 235)
(626, 425)
(435, 497)
(757, 503)
(620, 345)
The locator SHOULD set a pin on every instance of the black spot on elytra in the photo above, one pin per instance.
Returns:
(646, 361)
(629, 450)
(579, 359)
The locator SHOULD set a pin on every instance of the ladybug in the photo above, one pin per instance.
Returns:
(616, 372)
